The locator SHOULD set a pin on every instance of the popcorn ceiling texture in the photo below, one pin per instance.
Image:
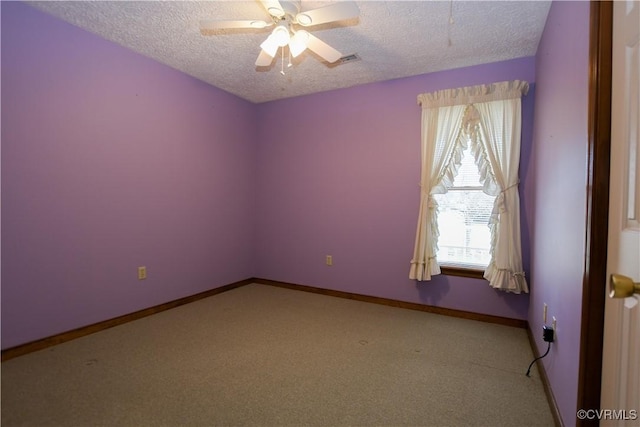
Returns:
(394, 39)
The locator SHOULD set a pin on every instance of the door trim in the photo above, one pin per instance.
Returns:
(598, 155)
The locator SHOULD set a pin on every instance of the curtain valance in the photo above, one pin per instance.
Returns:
(474, 94)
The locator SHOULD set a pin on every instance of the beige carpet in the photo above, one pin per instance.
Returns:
(261, 355)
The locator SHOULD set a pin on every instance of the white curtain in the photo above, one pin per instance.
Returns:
(490, 117)
(441, 129)
(499, 136)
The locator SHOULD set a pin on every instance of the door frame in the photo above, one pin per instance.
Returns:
(596, 233)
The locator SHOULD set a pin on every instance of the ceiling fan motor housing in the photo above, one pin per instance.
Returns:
(291, 8)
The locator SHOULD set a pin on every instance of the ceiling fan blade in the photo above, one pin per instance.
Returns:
(273, 7)
(264, 59)
(220, 25)
(322, 49)
(334, 12)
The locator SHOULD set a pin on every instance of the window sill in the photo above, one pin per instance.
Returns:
(462, 272)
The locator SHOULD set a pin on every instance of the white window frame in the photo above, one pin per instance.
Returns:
(454, 265)
(463, 261)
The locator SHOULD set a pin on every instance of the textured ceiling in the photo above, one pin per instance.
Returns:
(393, 39)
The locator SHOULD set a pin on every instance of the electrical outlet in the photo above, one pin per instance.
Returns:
(142, 273)
(544, 313)
(553, 324)
(329, 260)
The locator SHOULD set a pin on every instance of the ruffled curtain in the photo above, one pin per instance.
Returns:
(499, 131)
(441, 129)
(490, 117)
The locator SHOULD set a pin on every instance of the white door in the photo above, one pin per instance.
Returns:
(620, 404)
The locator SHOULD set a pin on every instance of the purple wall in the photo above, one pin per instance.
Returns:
(560, 159)
(339, 174)
(111, 161)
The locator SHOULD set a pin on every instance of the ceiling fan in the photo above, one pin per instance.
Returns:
(287, 18)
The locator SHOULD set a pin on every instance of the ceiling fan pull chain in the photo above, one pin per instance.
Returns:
(451, 22)
(282, 62)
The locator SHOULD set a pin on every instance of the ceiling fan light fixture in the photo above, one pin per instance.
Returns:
(270, 46)
(281, 35)
(304, 19)
(298, 43)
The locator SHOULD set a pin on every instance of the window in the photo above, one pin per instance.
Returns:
(463, 220)
(454, 214)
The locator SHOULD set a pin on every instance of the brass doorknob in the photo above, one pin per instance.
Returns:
(622, 286)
